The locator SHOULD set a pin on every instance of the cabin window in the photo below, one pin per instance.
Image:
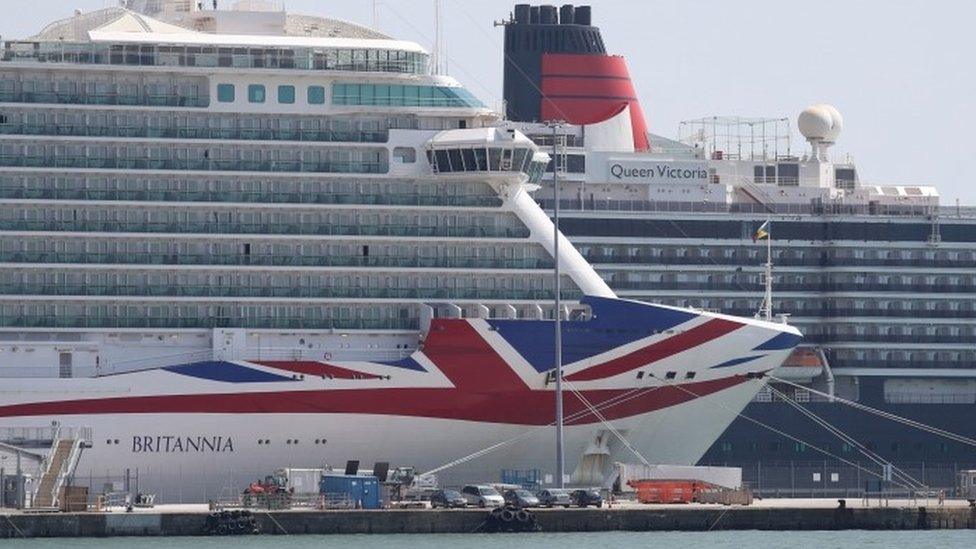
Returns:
(225, 93)
(286, 94)
(316, 95)
(256, 93)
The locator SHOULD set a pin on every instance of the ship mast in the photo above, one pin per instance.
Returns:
(767, 306)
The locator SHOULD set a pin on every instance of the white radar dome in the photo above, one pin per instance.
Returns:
(820, 123)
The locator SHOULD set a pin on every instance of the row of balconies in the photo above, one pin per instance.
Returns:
(261, 197)
(719, 260)
(91, 130)
(332, 292)
(780, 286)
(318, 229)
(274, 260)
(262, 322)
(204, 164)
(800, 315)
(110, 98)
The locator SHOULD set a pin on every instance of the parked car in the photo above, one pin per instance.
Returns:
(447, 499)
(521, 498)
(553, 497)
(482, 495)
(586, 497)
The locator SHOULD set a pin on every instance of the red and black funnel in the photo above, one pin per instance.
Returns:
(557, 68)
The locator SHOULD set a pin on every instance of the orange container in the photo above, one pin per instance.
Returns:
(666, 491)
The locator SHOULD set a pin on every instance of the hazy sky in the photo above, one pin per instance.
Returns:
(900, 71)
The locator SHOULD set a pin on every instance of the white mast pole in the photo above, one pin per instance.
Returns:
(560, 461)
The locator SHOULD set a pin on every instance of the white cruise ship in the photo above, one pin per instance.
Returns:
(232, 241)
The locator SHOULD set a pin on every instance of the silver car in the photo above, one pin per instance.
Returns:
(482, 495)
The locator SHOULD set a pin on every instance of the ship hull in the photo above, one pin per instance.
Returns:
(642, 382)
(199, 457)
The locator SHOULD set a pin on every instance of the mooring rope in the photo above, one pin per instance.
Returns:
(887, 415)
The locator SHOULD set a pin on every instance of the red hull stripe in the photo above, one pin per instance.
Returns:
(694, 337)
(312, 368)
(519, 407)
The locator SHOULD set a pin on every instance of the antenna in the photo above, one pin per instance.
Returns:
(376, 15)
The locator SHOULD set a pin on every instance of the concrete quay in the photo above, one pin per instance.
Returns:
(184, 520)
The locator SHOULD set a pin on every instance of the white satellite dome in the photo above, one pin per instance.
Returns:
(820, 122)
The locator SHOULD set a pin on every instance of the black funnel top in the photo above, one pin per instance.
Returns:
(527, 40)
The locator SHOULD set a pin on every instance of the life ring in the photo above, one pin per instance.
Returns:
(328, 356)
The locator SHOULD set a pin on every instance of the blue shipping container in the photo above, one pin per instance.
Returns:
(362, 492)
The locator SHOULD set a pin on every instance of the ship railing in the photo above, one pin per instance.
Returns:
(705, 206)
(153, 362)
(41, 436)
(337, 501)
(371, 355)
(929, 398)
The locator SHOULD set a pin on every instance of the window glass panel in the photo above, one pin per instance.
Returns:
(316, 95)
(443, 164)
(225, 93)
(381, 92)
(286, 94)
(482, 159)
(402, 96)
(457, 164)
(469, 161)
(256, 93)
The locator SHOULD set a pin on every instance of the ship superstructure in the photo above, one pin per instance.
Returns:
(236, 240)
(878, 277)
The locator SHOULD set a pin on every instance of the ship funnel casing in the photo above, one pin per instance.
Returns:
(562, 72)
(525, 43)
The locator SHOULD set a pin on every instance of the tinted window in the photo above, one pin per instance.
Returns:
(286, 94)
(316, 95)
(256, 93)
(225, 93)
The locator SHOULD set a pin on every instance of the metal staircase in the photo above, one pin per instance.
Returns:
(57, 468)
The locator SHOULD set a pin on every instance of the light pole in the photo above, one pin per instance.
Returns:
(558, 355)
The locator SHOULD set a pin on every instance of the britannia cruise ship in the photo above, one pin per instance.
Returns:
(239, 239)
